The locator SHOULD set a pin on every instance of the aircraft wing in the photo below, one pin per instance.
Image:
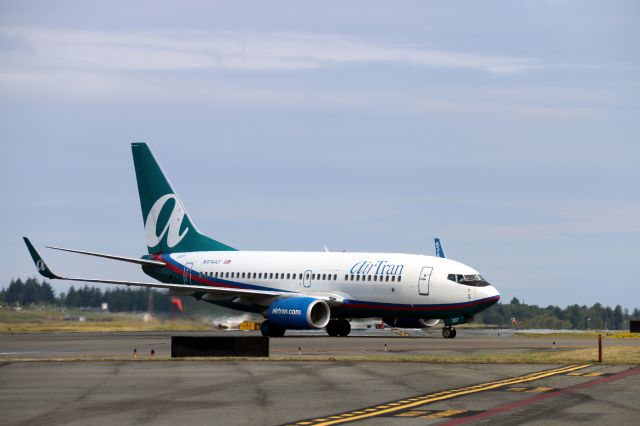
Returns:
(44, 270)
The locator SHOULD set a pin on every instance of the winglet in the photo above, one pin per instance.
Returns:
(439, 248)
(43, 269)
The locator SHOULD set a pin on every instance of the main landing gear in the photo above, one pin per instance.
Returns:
(338, 327)
(270, 330)
(448, 332)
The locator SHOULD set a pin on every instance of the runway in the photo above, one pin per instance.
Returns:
(368, 342)
(307, 393)
(314, 393)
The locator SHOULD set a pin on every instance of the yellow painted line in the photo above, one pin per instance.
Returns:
(592, 374)
(425, 399)
(516, 389)
(441, 414)
(412, 413)
(540, 389)
(575, 374)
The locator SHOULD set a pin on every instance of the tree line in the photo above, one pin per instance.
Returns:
(514, 314)
(31, 292)
(520, 315)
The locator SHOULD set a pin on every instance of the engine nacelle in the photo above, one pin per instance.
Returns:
(302, 313)
(410, 322)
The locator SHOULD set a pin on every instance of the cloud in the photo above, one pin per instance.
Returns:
(230, 50)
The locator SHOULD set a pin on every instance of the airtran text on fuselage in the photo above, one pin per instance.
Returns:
(379, 267)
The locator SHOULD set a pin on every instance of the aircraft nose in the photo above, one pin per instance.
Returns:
(490, 292)
(493, 292)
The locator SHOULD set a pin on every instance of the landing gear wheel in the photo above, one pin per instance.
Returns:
(333, 328)
(269, 330)
(344, 327)
(448, 332)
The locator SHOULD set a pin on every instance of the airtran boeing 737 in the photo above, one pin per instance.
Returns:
(292, 290)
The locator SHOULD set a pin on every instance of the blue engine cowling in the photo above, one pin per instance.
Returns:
(410, 322)
(301, 313)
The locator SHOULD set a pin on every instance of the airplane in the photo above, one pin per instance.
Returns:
(292, 290)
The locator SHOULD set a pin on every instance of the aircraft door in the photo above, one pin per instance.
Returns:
(188, 268)
(306, 278)
(423, 280)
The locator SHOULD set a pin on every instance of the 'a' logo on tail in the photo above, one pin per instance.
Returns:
(40, 265)
(172, 227)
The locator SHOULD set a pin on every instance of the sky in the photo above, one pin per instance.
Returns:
(509, 129)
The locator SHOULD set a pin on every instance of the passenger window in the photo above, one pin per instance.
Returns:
(335, 277)
(387, 278)
(369, 278)
(393, 278)
(271, 276)
(399, 278)
(351, 277)
(357, 277)
(324, 276)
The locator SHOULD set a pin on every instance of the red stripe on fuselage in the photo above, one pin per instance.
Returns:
(198, 279)
(357, 305)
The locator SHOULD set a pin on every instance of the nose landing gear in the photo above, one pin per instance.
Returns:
(448, 332)
(338, 327)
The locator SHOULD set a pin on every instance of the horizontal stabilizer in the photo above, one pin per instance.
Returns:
(144, 262)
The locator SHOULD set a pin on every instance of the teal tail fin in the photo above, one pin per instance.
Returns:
(43, 269)
(167, 224)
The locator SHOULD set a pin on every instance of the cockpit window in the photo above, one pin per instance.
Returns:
(470, 280)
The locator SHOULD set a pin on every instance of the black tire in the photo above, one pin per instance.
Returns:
(333, 328)
(265, 328)
(269, 330)
(344, 327)
(453, 333)
(278, 332)
(446, 332)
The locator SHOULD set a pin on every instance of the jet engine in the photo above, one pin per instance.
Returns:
(299, 313)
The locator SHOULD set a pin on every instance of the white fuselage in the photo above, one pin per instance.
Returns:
(371, 284)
